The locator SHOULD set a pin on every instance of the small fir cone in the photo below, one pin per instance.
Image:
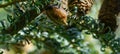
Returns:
(83, 6)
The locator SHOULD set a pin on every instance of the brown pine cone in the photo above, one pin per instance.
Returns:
(107, 14)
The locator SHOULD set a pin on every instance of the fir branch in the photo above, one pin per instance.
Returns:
(20, 23)
(10, 3)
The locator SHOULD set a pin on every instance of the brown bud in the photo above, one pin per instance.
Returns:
(57, 14)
